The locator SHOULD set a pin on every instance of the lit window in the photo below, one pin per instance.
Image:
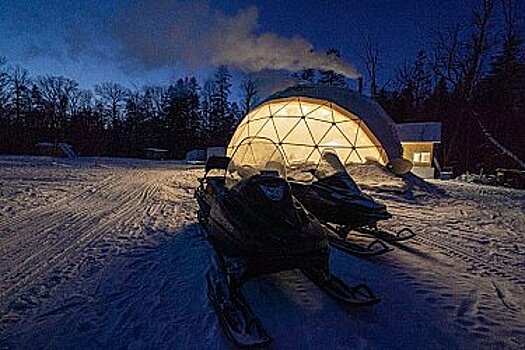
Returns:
(425, 157)
(421, 157)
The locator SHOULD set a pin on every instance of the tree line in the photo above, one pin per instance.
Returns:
(470, 77)
(112, 120)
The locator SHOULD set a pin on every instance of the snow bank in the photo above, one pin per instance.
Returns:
(376, 179)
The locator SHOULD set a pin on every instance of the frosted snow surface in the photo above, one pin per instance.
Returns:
(106, 253)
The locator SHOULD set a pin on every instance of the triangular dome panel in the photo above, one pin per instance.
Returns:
(299, 135)
(289, 109)
(268, 131)
(318, 129)
(256, 126)
(334, 138)
(284, 126)
(321, 112)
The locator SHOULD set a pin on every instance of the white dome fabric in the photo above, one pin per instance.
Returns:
(306, 120)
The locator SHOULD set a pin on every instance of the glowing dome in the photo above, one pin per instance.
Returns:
(306, 120)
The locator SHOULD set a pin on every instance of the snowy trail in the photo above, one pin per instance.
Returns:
(63, 233)
(476, 238)
(44, 245)
(107, 253)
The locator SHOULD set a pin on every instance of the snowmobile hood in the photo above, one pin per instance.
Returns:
(270, 197)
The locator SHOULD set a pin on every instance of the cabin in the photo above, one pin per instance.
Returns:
(155, 153)
(419, 142)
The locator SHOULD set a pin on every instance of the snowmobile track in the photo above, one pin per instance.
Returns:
(78, 230)
(475, 261)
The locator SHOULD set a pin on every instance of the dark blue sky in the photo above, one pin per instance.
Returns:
(125, 41)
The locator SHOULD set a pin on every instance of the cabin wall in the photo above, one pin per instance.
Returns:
(421, 155)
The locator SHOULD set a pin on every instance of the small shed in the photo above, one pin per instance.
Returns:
(155, 153)
(215, 151)
(419, 142)
(510, 178)
(196, 156)
(60, 149)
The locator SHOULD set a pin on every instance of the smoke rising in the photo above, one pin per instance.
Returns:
(158, 33)
(270, 81)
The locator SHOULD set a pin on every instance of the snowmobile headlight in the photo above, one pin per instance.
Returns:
(273, 193)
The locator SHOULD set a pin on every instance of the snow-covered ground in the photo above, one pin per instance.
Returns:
(106, 253)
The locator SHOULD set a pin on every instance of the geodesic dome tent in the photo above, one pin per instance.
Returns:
(306, 120)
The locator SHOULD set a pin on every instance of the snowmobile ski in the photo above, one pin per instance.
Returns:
(374, 248)
(370, 247)
(391, 237)
(359, 295)
(237, 319)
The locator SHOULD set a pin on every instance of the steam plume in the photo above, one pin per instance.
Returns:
(158, 33)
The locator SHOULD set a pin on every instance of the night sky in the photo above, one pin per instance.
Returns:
(155, 41)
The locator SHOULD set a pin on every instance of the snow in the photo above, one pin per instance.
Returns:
(102, 253)
(420, 132)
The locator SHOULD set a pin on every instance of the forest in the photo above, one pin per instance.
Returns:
(470, 77)
(112, 120)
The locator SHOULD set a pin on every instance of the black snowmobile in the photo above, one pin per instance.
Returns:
(327, 191)
(257, 227)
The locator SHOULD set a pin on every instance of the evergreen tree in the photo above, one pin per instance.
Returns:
(329, 77)
(134, 122)
(221, 119)
(306, 75)
(322, 77)
(195, 124)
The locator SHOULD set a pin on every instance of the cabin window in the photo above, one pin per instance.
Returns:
(421, 157)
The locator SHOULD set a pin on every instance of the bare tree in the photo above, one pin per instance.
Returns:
(4, 82)
(57, 94)
(85, 100)
(460, 62)
(510, 9)
(416, 80)
(250, 90)
(371, 57)
(112, 96)
(478, 44)
(447, 58)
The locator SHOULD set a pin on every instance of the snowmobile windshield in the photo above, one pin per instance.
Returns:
(255, 156)
(329, 165)
(331, 171)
